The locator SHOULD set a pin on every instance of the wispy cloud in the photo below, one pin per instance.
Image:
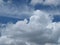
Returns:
(46, 2)
(12, 9)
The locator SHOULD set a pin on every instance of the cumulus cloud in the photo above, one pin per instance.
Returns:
(39, 31)
(46, 2)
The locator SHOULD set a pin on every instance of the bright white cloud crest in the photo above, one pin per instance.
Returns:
(39, 30)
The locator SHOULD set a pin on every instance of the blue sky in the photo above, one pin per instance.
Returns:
(29, 22)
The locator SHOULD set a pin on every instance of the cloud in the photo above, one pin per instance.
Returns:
(13, 8)
(46, 2)
(39, 31)
(36, 2)
(1, 1)
(8, 41)
(52, 2)
(50, 6)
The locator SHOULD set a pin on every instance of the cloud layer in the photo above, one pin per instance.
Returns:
(50, 6)
(14, 8)
(39, 31)
(21, 8)
(46, 2)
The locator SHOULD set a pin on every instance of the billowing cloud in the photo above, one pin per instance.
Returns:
(39, 31)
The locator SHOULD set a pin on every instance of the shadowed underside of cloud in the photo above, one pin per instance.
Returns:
(39, 31)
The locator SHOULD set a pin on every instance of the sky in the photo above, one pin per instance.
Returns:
(29, 22)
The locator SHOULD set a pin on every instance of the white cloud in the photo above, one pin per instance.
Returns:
(8, 41)
(50, 44)
(49, 6)
(34, 2)
(9, 9)
(52, 2)
(39, 30)
(15, 12)
(1, 2)
(46, 2)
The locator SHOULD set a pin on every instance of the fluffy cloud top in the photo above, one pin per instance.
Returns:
(39, 31)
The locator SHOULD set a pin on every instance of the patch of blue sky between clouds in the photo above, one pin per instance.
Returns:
(56, 18)
(5, 20)
(46, 7)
